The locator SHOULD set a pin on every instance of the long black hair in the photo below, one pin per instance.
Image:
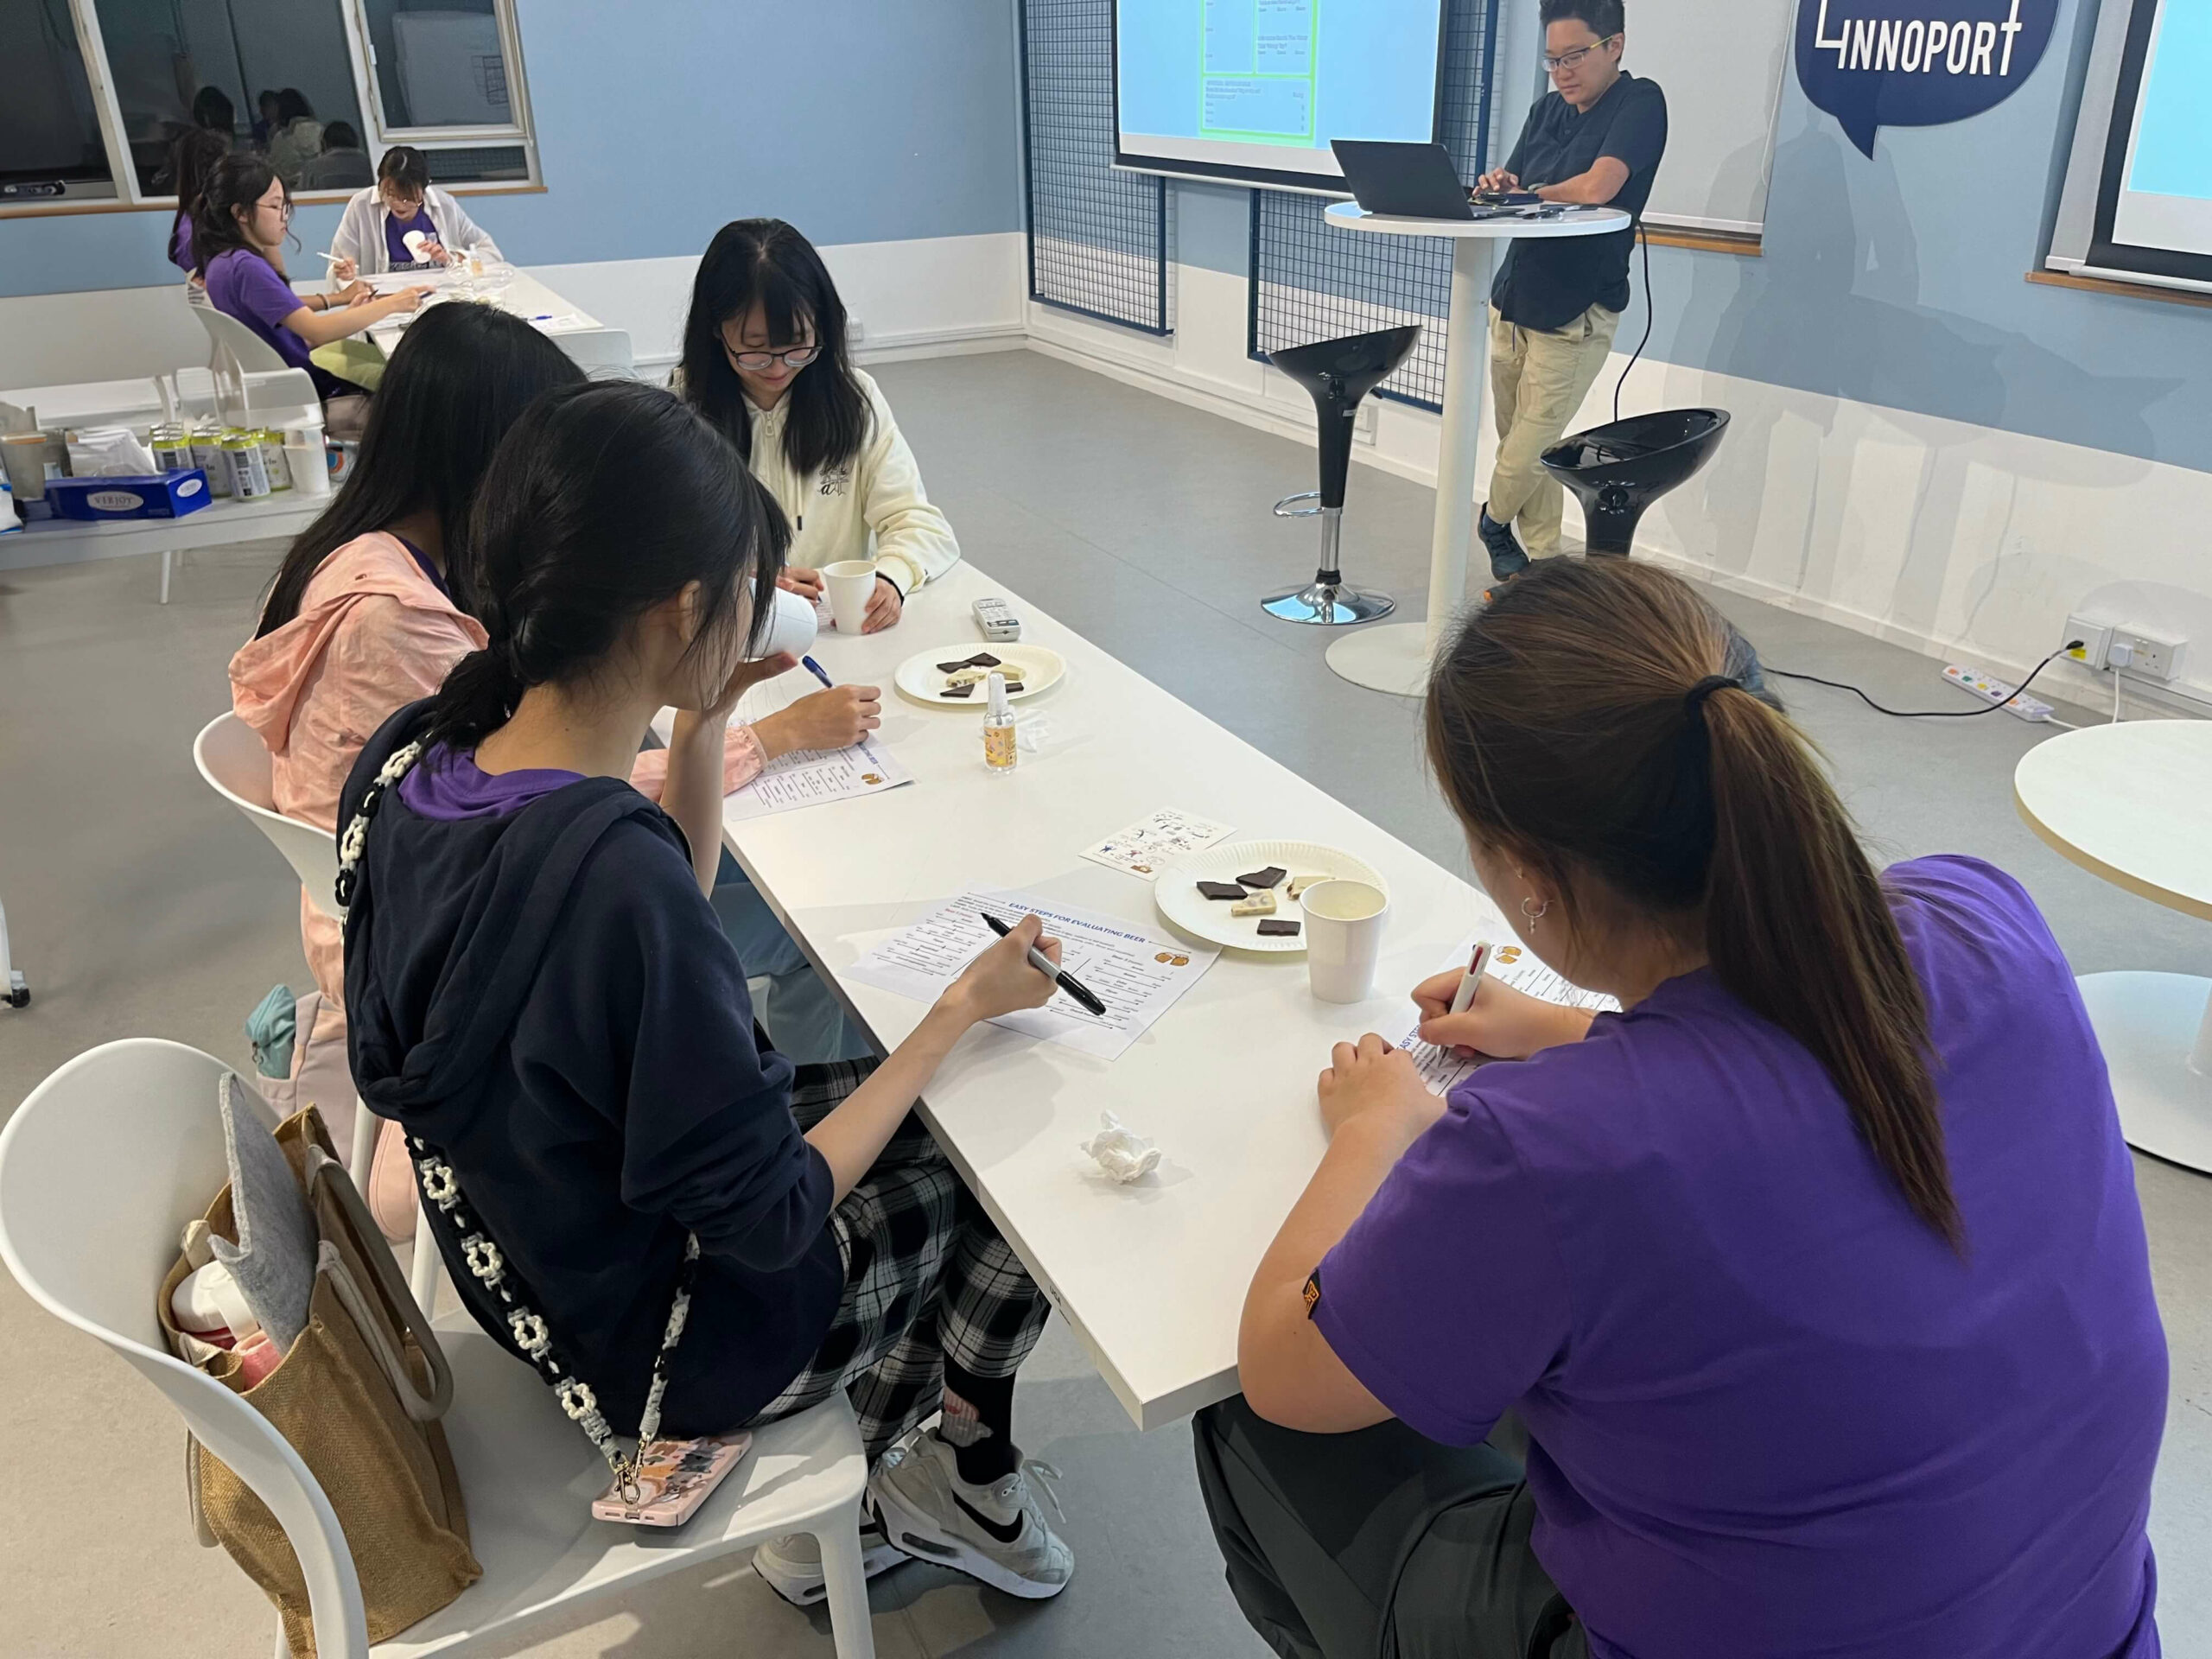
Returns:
(196, 152)
(461, 376)
(606, 499)
(766, 262)
(238, 180)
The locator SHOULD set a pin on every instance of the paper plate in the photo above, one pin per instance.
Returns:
(1177, 894)
(919, 677)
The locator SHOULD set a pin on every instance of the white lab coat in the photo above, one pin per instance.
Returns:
(874, 506)
(361, 233)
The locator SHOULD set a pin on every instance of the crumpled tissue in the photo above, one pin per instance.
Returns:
(1122, 1153)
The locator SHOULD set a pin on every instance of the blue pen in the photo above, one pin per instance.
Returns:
(815, 669)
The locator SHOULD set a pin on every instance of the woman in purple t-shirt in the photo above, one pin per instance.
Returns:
(239, 234)
(1802, 1308)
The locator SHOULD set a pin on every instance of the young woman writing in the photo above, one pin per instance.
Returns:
(1815, 1276)
(372, 236)
(239, 236)
(764, 360)
(362, 617)
(541, 997)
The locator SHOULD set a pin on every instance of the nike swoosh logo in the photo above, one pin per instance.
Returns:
(1005, 1532)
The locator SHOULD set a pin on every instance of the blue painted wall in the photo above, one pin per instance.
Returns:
(1900, 282)
(659, 120)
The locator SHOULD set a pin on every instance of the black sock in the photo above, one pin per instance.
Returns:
(979, 1425)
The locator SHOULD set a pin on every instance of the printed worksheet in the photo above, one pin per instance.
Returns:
(1137, 974)
(810, 777)
(1442, 1069)
(1150, 845)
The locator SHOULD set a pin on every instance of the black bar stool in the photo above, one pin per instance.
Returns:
(1338, 373)
(1617, 470)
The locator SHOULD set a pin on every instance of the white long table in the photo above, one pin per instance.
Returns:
(1151, 1277)
(586, 339)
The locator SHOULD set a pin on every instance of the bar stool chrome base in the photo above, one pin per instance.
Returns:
(1328, 602)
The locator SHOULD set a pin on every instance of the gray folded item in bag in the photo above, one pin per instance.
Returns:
(273, 1262)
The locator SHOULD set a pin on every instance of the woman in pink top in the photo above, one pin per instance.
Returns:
(361, 619)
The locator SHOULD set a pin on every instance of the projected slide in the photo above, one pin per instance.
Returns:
(2165, 199)
(1256, 89)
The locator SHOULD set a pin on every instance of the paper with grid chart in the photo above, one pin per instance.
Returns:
(810, 777)
(1444, 1069)
(1151, 844)
(1136, 972)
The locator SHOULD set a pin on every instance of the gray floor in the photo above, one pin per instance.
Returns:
(141, 906)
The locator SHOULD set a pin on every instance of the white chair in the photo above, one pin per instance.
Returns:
(101, 1167)
(247, 349)
(233, 760)
(602, 353)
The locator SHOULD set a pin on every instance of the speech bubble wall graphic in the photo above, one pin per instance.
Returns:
(1916, 63)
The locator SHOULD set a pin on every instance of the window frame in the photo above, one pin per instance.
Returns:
(516, 131)
(353, 16)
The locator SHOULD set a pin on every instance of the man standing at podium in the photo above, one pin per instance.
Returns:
(1596, 139)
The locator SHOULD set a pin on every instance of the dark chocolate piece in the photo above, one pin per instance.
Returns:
(1221, 890)
(1266, 878)
(1012, 686)
(1276, 928)
(952, 668)
(981, 659)
(967, 690)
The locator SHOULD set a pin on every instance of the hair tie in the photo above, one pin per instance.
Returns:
(1694, 700)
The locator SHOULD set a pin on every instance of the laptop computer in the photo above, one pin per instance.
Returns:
(1411, 181)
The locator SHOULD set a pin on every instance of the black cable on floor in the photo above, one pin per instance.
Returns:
(1925, 713)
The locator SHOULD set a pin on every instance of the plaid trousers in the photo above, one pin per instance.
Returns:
(926, 1275)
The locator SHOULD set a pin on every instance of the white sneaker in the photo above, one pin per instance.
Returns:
(792, 1564)
(997, 1533)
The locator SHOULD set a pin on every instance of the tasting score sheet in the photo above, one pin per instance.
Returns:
(1443, 1069)
(1136, 972)
(810, 777)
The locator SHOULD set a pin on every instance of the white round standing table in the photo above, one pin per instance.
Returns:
(2133, 803)
(1394, 657)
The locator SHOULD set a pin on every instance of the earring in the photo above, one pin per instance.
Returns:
(1533, 911)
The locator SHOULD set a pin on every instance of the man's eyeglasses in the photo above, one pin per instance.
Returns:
(1574, 59)
(760, 362)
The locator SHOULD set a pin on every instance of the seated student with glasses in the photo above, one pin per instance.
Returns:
(1801, 1308)
(1595, 140)
(372, 236)
(237, 238)
(765, 361)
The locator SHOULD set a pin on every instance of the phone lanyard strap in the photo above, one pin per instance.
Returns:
(486, 1263)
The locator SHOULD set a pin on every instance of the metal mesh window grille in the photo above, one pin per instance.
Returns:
(1098, 239)
(1311, 282)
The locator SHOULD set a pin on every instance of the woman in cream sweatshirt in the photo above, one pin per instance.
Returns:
(764, 360)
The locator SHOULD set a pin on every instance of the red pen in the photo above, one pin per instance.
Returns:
(1472, 980)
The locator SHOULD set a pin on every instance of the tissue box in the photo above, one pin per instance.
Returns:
(165, 495)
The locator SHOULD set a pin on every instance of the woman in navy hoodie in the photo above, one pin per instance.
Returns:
(542, 996)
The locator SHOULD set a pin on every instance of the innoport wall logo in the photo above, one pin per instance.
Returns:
(1916, 63)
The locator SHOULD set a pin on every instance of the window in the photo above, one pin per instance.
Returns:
(100, 90)
(50, 142)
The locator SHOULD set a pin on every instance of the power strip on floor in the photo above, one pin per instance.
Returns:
(1996, 691)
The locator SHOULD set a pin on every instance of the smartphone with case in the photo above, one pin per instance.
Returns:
(674, 1479)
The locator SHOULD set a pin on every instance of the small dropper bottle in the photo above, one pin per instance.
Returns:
(998, 728)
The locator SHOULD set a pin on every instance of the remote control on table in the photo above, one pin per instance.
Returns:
(997, 621)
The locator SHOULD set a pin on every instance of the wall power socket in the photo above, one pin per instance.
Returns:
(2109, 646)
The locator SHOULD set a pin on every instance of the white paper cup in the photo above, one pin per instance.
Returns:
(851, 584)
(1344, 922)
(792, 629)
